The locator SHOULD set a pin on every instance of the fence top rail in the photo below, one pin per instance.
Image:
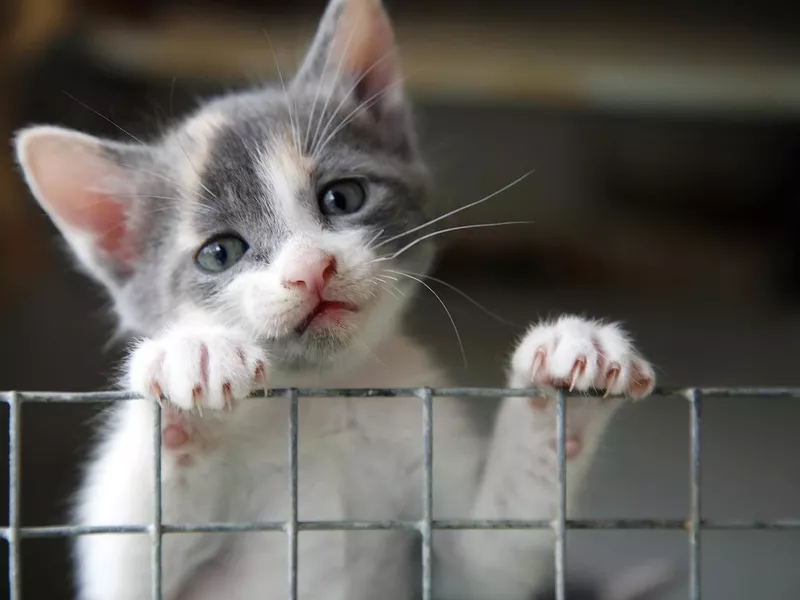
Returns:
(467, 392)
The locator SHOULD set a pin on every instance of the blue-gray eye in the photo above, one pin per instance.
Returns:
(342, 198)
(220, 253)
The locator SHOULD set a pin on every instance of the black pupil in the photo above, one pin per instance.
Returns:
(337, 199)
(219, 253)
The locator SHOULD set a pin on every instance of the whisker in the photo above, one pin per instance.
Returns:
(449, 229)
(384, 279)
(312, 114)
(444, 306)
(157, 175)
(375, 237)
(136, 196)
(317, 134)
(391, 293)
(292, 121)
(397, 288)
(458, 210)
(335, 83)
(466, 296)
(105, 118)
(365, 105)
(372, 355)
(194, 168)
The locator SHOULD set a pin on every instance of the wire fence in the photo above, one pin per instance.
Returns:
(694, 524)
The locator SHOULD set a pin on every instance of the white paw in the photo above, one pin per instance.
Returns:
(197, 368)
(581, 355)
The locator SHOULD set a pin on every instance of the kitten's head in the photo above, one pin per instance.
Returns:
(277, 211)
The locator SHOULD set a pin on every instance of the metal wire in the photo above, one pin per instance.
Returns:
(560, 524)
(427, 492)
(13, 532)
(694, 470)
(693, 525)
(291, 526)
(156, 527)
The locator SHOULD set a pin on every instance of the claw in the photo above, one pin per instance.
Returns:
(538, 363)
(196, 393)
(227, 396)
(157, 393)
(611, 378)
(577, 370)
(641, 384)
(260, 375)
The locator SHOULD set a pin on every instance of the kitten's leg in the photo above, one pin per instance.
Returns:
(197, 369)
(520, 477)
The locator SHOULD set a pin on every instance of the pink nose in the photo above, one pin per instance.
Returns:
(310, 273)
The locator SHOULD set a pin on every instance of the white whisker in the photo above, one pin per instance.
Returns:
(316, 94)
(375, 237)
(292, 121)
(372, 355)
(464, 295)
(317, 134)
(385, 280)
(365, 105)
(444, 306)
(137, 169)
(458, 210)
(194, 168)
(335, 83)
(449, 229)
(105, 118)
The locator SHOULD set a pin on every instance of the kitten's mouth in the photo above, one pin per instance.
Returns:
(326, 312)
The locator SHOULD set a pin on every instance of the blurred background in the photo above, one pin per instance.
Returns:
(664, 139)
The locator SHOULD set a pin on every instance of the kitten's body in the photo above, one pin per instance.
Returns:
(349, 450)
(272, 237)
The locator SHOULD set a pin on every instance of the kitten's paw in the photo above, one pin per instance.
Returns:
(197, 368)
(581, 355)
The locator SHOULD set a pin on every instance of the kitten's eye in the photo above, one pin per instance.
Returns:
(220, 253)
(342, 198)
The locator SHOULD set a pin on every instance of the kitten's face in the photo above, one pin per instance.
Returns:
(274, 211)
(306, 266)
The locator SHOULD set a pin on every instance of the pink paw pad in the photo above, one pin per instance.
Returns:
(174, 436)
(572, 446)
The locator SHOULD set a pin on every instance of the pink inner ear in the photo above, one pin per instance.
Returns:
(366, 35)
(68, 170)
(107, 220)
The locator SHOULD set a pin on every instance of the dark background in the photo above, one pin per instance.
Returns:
(664, 139)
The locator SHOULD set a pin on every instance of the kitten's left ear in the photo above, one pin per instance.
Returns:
(85, 185)
(355, 48)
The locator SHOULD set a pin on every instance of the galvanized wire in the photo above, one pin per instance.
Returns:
(156, 527)
(13, 531)
(560, 523)
(291, 525)
(694, 524)
(694, 501)
(426, 526)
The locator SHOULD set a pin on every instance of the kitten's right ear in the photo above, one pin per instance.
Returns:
(86, 187)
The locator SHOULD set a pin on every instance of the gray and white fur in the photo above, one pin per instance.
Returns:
(274, 237)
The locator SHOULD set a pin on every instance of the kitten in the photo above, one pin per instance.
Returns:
(271, 238)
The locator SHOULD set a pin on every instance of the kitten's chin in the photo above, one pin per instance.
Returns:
(337, 337)
(327, 316)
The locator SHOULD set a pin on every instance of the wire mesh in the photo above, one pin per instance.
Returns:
(694, 524)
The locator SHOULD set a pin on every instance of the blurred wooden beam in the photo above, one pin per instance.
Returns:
(569, 64)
